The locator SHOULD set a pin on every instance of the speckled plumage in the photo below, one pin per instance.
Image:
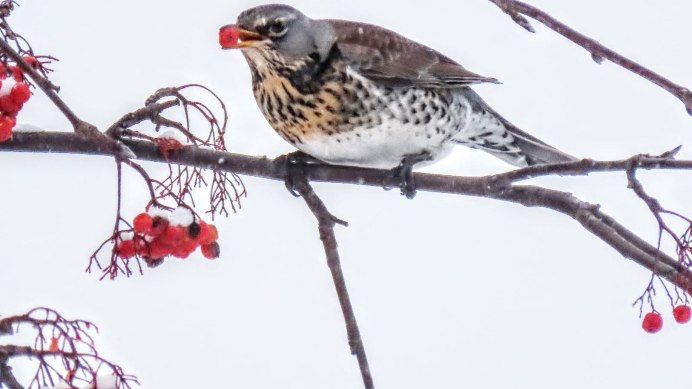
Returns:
(356, 94)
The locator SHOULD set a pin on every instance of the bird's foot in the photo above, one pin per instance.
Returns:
(294, 167)
(402, 175)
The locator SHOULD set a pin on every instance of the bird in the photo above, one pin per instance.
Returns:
(357, 94)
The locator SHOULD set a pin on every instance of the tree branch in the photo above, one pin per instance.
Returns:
(501, 186)
(6, 376)
(326, 222)
(515, 9)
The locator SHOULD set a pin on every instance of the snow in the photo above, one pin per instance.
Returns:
(25, 127)
(171, 134)
(181, 216)
(6, 86)
(156, 211)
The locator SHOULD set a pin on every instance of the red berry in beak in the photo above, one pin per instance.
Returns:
(229, 37)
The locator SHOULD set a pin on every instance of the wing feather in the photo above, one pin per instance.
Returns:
(386, 57)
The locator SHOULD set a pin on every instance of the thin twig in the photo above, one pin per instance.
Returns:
(326, 222)
(515, 9)
(148, 112)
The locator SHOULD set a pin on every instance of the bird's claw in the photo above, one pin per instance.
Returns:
(294, 169)
(403, 174)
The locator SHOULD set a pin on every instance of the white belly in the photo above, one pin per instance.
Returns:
(380, 147)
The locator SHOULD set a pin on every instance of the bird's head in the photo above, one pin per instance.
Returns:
(280, 32)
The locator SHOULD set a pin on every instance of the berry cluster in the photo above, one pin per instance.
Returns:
(159, 233)
(14, 92)
(653, 322)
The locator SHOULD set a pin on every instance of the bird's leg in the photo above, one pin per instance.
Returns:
(294, 167)
(403, 174)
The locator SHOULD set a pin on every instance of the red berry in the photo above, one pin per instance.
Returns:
(682, 313)
(53, 345)
(8, 105)
(3, 70)
(211, 250)
(207, 233)
(184, 249)
(142, 223)
(20, 93)
(158, 226)
(203, 234)
(228, 37)
(652, 323)
(17, 73)
(166, 145)
(125, 249)
(174, 235)
(156, 249)
(32, 61)
(193, 230)
(6, 126)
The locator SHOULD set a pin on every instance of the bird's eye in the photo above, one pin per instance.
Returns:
(277, 28)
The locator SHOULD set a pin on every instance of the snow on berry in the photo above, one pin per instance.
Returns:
(6, 86)
(682, 313)
(181, 216)
(652, 323)
(158, 233)
(172, 135)
(156, 211)
(142, 223)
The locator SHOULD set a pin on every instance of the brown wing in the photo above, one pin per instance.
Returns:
(393, 60)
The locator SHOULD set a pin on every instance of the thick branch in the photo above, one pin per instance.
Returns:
(498, 187)
(326, 222)
(6, 376)
(598, 52)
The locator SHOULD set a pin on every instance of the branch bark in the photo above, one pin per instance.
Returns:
(326, 222)
(6, 376)
(501, 187)
(515, 9)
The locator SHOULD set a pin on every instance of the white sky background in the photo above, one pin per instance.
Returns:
(449, 291)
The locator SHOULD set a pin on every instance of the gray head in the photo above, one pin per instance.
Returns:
(281, 29)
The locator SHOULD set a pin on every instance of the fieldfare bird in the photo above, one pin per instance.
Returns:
(356, 94)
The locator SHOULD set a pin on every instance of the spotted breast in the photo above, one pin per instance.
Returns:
(327, 110)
